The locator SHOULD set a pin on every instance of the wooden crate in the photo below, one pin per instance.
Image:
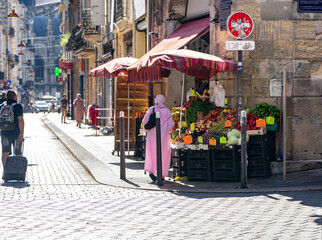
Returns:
(138, 98)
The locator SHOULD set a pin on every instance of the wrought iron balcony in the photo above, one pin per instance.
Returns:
(13, 59)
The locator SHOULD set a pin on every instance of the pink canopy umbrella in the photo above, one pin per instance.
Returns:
(113, 67)
(192, 63)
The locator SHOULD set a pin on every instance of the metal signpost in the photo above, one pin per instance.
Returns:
(240, 25)
(159, 154)
(122, 146)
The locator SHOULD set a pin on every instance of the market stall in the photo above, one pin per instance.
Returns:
(129, 98)
(206, 143)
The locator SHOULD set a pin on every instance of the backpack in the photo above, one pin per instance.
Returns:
(7, 117)
(151, 123)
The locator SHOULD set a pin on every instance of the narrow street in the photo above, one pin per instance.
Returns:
(62, 201)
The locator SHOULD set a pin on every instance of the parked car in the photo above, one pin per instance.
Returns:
(41, 106)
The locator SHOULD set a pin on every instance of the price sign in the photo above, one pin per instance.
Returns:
(260, 123)
(228, 124)
(226, 101)
(212, 142)
(193, 92)
(137, 115)
(223, 140)
(192, 126)
(200, 139)
(187, 140)
(183, 124)
(270, 120)
(142, 125)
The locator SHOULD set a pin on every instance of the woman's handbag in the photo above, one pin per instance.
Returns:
(151, 123)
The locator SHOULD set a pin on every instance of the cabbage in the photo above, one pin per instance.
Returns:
(230, 134)
(247, 138)
(235, 133)
(232, 140)
(239, 142)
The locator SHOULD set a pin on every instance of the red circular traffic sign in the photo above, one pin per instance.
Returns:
(240, 25)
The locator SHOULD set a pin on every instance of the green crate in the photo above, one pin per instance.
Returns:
(272, 127)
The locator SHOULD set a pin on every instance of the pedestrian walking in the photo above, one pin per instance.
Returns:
(3, 98)
(167, 124)
(63, 104)
(79, 110)
(13, 137)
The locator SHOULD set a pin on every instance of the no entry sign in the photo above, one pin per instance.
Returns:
(240, 25)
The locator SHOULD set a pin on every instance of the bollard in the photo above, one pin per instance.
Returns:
(122, 146)
(244, 161)
(159, 154)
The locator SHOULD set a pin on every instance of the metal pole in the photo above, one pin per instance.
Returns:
(182, 93)
(239, 84)
(284, 123)
(122, 146)
(244, 161)
(128, 119)
(159, 155)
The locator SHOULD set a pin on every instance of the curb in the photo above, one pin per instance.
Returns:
(96, 168)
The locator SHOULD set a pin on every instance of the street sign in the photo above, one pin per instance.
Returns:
(240, 45)
(240, 25)
(9, 82)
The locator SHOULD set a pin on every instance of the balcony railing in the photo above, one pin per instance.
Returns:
(118, 13)
(13, 59)
(87, 24)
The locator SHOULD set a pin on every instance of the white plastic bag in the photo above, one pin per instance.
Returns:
(218, 95)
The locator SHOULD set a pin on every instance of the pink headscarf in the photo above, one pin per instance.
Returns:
(160, 101)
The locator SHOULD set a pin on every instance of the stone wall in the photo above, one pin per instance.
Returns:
(285, 39)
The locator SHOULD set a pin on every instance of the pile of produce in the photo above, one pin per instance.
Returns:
(211, 134)
(229, 115)
(198, 105)
(234, 137)
(251, 123)
(176, 114)
(264, 110)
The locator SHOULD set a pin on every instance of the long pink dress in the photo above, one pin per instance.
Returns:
(167, 124)
(79, 109)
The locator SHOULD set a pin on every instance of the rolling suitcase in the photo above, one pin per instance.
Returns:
(16, 167)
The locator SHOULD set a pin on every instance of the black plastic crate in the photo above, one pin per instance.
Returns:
(227, 175)
(199, 175)
(226, 158)
(179, 172)
(253, 139)
(178, 158)
(271, 139)
(259, 161)
(254, 172)
(198, 159)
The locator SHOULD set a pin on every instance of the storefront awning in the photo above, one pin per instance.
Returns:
(185, 34)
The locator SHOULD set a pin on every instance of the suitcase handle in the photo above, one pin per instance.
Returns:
(22, 147)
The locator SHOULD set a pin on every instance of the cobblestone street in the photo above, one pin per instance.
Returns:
(62, 201)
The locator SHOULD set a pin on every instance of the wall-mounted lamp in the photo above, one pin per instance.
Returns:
(21, 44)
(21, 53)
(13, 14)
(153, 34)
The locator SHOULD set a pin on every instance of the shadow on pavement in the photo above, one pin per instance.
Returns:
(16, 184)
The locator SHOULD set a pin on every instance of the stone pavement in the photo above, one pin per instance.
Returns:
(62, 201)
(94, 153)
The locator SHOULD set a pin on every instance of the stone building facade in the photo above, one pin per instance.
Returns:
(285, 39)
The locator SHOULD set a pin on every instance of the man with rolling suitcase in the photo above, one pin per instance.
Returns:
(12, 130)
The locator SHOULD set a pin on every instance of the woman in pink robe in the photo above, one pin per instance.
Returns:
(79, 110)
(167, 124)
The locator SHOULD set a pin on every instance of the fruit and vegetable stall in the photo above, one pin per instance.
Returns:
(209, 146)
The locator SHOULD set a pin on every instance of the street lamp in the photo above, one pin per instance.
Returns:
(21, 44)
(13, 14)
